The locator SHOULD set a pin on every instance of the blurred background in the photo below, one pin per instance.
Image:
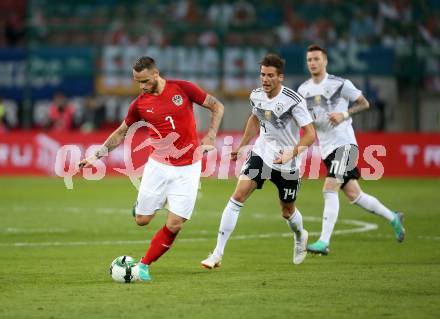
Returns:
(65, 66)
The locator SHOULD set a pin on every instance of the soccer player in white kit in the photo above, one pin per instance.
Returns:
(278, 114)
(328, 98)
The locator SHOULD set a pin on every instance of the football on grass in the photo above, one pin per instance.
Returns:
(123, 269)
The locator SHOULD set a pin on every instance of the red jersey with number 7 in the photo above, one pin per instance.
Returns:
(170, 120)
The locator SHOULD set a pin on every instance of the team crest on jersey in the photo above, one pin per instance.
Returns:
(268, 115)
(279, 107)
(177, 100)
(318, 100)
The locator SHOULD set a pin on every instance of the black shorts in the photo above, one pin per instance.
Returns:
(341, 164)
(287, 182)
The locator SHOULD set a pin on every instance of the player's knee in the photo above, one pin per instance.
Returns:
(239, 196)
(287, 212)
(142, 220)
(175, 227)
(331, 185)
(351, 194)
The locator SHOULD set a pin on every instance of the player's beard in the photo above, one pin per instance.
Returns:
(153, 88)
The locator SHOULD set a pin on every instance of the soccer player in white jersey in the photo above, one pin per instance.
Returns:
(328, 98)
(278, 114)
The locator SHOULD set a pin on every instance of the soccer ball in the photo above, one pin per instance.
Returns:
(123, 269)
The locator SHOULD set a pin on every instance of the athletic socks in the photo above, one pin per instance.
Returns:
(227, 225)
(295, 223)
(330, 216)
(373, 205)
(160, 243)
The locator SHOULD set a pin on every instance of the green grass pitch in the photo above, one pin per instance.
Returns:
(56, 246)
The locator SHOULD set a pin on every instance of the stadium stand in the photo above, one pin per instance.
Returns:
(408, 29)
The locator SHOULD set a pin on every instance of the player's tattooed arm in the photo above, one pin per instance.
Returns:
(116, 138)
(217, 109)
(113, 141)
(359, 105)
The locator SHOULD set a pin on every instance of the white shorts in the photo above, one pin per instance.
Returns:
(175, 185)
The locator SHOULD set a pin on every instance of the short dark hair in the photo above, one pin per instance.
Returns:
(144, 62)
(316, 47)
(274, 60)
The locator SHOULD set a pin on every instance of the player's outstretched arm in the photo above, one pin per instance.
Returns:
(251, 130)
(217, 109)
(116, 138)
(305, 141)
(361, 104)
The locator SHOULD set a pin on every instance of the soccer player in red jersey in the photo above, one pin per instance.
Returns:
(173, 170)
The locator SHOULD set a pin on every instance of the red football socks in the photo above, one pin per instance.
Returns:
(159, 245)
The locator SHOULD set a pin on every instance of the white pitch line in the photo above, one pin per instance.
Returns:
(429, 237)
(13, 230)
(75, 210)
(391, 236)
(361, 227)
(138, 242)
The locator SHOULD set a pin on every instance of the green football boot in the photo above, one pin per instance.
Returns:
(397, 224)
(144, 272)
(318, 248)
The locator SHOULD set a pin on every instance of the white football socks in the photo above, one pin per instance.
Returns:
(330, 215)
(295, 223)
(227, 225)
(373, 205)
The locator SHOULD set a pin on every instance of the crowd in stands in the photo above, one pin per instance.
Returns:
(390, 23)
(269, 23)
(64, 114)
